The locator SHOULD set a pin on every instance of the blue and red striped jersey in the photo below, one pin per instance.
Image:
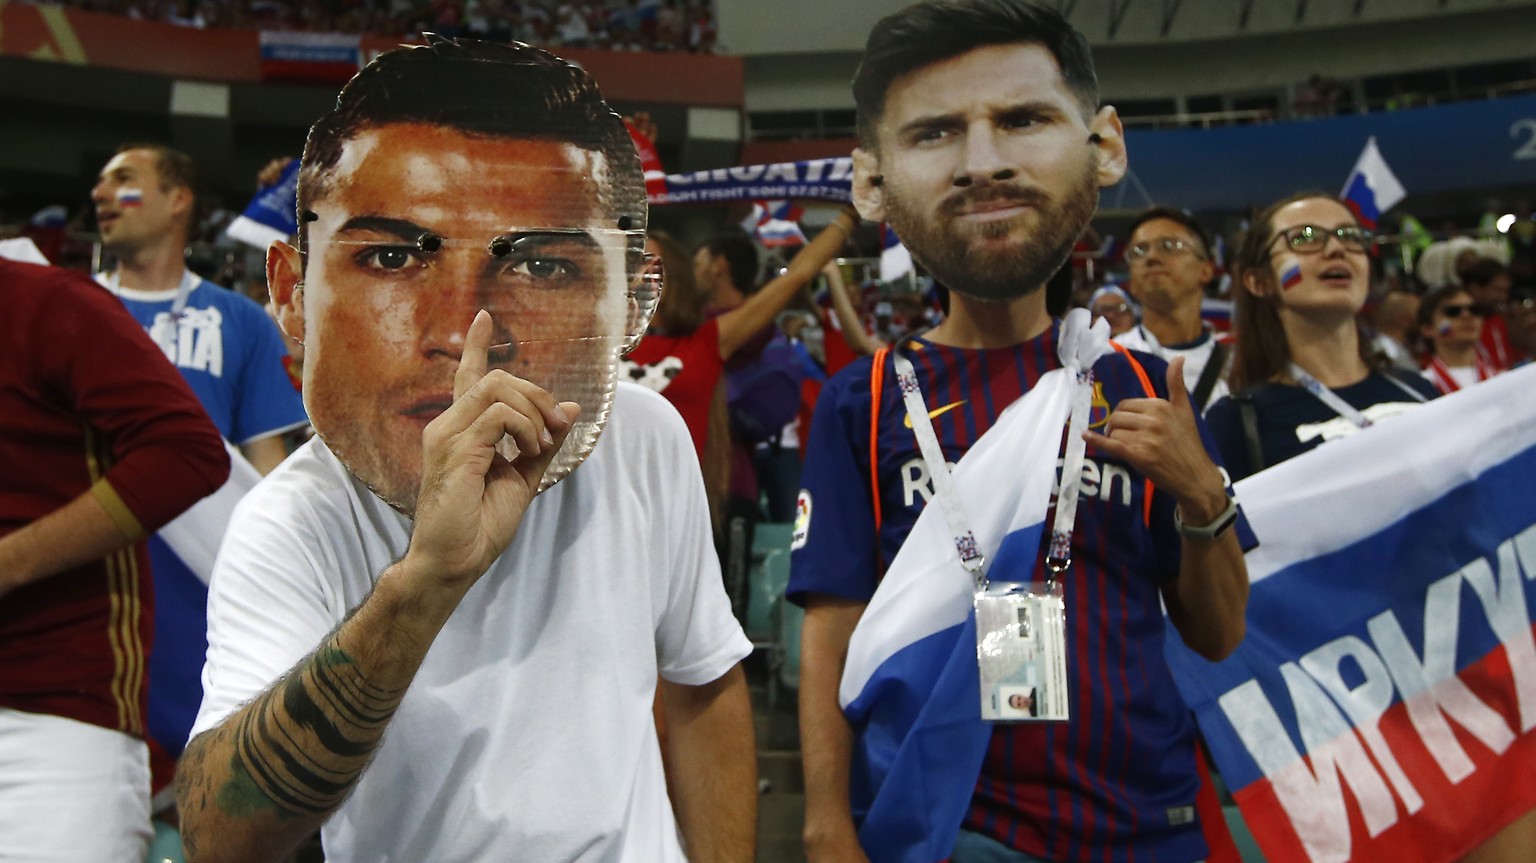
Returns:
(1118, 782)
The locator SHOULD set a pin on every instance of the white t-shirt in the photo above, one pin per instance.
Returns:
(1196, 356)
(528, 731)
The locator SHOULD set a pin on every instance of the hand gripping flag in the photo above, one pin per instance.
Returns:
(910, 686)
(1372, 188)
(1383, 703)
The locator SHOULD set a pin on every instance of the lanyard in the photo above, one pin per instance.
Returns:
(1059, 557)
(1339, 406)
(943, 483)
(1447, 383)
(114, 283)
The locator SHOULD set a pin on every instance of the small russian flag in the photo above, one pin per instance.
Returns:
(1291, 277)
(774, 223)
(129, 197)
(1372, 188)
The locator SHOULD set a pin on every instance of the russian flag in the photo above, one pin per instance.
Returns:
(895, 260)
(910, 687)
(1383, 704)
(775, 223)
(288, 55)
(1291, 277)
(272, 215)
(1372, 188)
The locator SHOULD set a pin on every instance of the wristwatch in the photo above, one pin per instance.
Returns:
(1218, 526)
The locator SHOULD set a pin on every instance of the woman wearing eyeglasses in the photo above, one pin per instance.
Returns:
(1451, 327)
(1302, 373)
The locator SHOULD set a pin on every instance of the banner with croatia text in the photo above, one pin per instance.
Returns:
(812, 179)
(1382, 705)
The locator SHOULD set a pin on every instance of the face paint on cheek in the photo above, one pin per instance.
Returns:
(1444, 329)
(1290, 274)
(129, 196)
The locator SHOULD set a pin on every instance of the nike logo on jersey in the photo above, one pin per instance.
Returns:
(934, 414)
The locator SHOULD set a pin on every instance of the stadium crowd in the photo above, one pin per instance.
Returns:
(631, 25)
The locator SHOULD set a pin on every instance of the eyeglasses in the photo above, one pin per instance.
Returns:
(1456, 310)
(1166, 245)
(1308, 239)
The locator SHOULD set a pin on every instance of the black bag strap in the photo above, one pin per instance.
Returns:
(1214, 366)
(1248, 413)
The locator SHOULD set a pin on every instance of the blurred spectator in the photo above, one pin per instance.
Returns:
(1450, 324)
(1112, 303)
(1488, 281)
(1169, 255)
(1521, 316)
(1301, 373)
(1396, 323)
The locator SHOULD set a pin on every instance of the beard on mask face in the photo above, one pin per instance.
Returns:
(989, 274)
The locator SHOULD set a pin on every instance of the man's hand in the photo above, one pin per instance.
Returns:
(1158, 438)
(472, 498)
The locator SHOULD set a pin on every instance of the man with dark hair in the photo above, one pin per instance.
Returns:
(1169, 256)
(230, 352)
(225, 345)
(725, 268)
(102, 441)
(1488, 281)
(458, 558)
(983, 145)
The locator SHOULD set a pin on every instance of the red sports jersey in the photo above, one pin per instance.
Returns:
(89, 403)
(685, 370)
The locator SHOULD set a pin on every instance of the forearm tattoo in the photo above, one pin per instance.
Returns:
(301, 746)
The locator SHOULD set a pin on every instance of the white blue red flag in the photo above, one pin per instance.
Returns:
(290, 55)
(776, 223)
(1372, 188)
(272, 215)
(910, 684)
(895, 260)
(1382, 705)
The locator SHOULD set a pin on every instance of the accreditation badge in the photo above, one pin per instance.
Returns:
(1021, 651)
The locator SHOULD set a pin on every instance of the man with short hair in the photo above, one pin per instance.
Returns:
(230, 352)
(1169, 257)
(982, 143)
(725, 268)
(470, 553)
(225, 345)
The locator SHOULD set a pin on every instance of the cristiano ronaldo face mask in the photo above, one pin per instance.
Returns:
(416, 220)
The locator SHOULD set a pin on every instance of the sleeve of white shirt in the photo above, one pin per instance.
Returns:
(269, 603)
(698, 639)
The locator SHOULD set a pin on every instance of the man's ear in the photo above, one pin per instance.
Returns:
(1109, 148)
(285, 274)
(868, 186)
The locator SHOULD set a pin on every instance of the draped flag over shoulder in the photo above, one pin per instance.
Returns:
(910, 686)
(1372, 188)
(1382, 706)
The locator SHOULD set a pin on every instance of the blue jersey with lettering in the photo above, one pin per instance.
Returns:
(1119, 781)
(230, 351)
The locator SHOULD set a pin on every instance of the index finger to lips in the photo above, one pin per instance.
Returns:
(473, 362)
